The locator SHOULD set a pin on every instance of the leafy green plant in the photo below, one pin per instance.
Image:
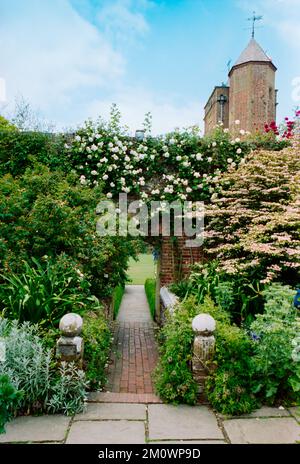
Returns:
(45, 213)
(277, 365)
(9, 398)
(117, 299)
(68, 393)
(97, 342)
(228, 386)
(43, 293)
(150, 290)
(173, 377)
(44, 386)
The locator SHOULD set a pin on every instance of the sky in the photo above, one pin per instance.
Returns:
(71, 59)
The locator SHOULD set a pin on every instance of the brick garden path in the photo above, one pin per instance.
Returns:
(134, 353)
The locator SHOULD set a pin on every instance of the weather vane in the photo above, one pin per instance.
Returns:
(254, 18)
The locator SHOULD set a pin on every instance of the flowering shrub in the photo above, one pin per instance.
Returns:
(253, 226)
(180, 165)
(288, 129)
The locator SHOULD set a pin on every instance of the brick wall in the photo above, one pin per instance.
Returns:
(176, 259)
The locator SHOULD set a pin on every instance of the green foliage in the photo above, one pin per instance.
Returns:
(253, 225)
(173, 377)
(5, 125)
(97, 342)
(43, 385)
(236, 294)
(48, 213)
(150, 289)
(117, 299)
(68, 392)
(229, 387)
(9, 397)
(44, 293)
(20, 150)
(276, 362)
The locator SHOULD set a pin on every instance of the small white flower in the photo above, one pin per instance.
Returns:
(239, 151)
(188, 190)
(178, 158)
(152, 157)
(94, 147)
(110, 145)
(89, 157)
(109, 195)
(66, 146)
(78, 138)
(237, 140)
(196, 174)
(226, 130)
(209, 159)
(242, 132)
(214, 144)
(172, 141)
(237, 122)
(112, 184)
(94, 173)
(199, 157)
(166, 154)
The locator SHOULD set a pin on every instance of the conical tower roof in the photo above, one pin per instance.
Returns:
(253, 53)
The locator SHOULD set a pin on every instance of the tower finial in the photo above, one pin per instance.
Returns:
(254, 18)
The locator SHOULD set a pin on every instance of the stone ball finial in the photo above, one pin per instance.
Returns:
(71, 325)
(203, 323)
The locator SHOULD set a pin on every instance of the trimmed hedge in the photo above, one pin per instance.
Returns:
(150, 289)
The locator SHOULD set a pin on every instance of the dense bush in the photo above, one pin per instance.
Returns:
(48, 213)
(9, 397)
(43, 386)
(150, 290)
(20, 150)
(237, 294)
(276, 331)
(229, 387)
(117, 299)
(173, 377)
(97, 342)
(253, 226)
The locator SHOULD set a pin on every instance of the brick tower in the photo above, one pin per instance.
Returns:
(252, 93)
(250, 96)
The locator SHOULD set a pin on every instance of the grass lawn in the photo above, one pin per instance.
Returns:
(141, 270)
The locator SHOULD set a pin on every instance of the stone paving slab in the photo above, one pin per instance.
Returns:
(262, 431)
(182, 422)
(36, 429)
(295, 411)
(107, 432)
(265, 411)
(100, 411)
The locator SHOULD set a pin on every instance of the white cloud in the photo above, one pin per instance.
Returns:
(49, 53)
(135, 103)
(66, 66)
